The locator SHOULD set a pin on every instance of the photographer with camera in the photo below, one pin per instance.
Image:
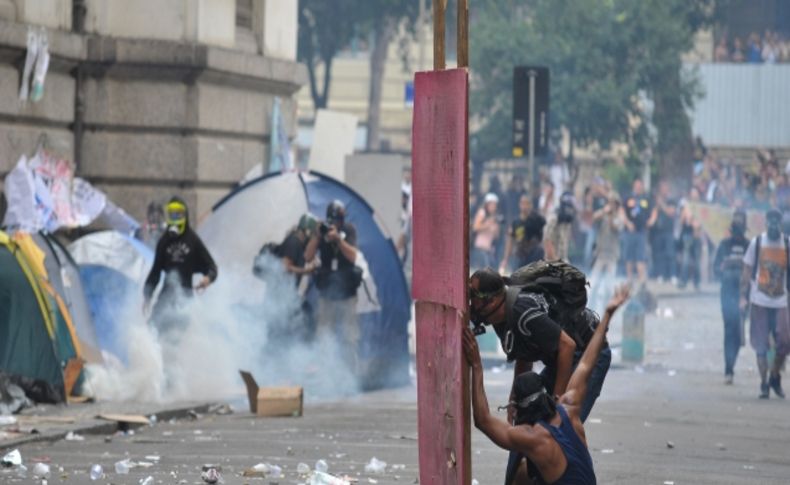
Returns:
(337, 279)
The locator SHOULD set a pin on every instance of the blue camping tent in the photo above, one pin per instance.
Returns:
(264, 209)
(113, 267)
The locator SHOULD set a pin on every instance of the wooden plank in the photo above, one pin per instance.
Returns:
(439, 184)
(442, 390)
(441, 228)
(463, 33)
(125, 418)
(439, 11)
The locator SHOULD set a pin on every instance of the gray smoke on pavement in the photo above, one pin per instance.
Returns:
(238, 323)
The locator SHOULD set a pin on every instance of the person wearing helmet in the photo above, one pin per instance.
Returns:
(293, 247)
(180, 254)
(337, 278)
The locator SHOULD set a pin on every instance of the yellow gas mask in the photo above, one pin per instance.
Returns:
(176, 217)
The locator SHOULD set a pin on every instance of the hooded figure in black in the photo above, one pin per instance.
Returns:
(728, 266)
(179, 254)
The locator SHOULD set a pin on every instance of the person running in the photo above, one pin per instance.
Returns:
(547, 430)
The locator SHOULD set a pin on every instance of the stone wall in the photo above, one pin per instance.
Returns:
(156, 117)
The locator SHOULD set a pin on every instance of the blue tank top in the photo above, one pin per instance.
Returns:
(580, 468)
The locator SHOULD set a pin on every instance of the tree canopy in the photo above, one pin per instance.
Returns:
(602, 54)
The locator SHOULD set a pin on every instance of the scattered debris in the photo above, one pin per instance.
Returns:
(122, 467)
(72, 436)
(273, 401)
(721, 446)
(7, 420)
(375, 466)
(13, 458)
(607, 451)
(302, 468)
(321, 466)
(594, 420)
(475, 482)
(97, 472)
(41, 470)
(221, 409)
(125, 418)
(149, 480)
(319, 478)
(670, 445)
(211, 475)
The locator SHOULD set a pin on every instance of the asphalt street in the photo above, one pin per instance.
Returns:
(668, 421)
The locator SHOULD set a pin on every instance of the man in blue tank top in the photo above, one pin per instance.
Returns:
(548, 432)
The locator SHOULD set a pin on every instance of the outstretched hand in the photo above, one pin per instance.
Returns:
(621, 294)
(471, 351)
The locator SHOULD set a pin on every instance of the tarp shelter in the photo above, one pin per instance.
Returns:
(113, 268)
(64, 276)
(264, 209)
(37, 339)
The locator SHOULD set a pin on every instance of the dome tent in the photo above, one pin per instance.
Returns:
(264, 209)
(113, 268)
(37, 340)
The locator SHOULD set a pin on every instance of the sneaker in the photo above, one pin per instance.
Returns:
(775, 381)
(764, 390)
(728, 379)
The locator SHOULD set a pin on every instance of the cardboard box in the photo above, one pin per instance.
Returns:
(273, 401)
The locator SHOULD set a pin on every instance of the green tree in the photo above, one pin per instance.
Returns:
(325, 27)
(602, 54)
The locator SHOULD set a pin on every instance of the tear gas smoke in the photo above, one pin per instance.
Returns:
(238, 323)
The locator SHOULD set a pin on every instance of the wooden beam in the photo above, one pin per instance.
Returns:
(439, 11)
(463, 33)
(441, 213)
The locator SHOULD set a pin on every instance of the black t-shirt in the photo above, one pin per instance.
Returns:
(182, 254)
(728, 263)
(637, 209)
(333, 278)
(293, 249)
(598, 202)
(529, 333)
(527, 234)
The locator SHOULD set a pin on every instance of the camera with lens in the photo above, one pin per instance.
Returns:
(323, 228)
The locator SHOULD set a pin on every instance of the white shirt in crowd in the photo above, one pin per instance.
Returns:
(768, 249)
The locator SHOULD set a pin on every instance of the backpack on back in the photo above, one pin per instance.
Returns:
(565, 289)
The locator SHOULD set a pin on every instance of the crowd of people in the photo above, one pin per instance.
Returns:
(771, 47)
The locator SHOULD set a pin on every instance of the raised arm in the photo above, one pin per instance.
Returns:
(577, 387)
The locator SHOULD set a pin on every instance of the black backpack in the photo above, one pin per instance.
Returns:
(565, 288)
(566, 212)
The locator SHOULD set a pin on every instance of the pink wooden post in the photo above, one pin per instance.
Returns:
(440, 269)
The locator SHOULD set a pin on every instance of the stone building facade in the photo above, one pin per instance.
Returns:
(152, 98)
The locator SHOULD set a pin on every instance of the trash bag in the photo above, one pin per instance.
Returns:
(12, 397)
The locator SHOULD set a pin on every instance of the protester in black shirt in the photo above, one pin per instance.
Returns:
(528, 334)
(179, 255)
(728, 266)
(639, 216)
(526, 235)
(337, 279)
(662, 234)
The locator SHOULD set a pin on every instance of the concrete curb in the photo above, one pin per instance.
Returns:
(95, 426)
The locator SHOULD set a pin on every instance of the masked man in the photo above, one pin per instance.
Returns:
(528, 333)
(764, 286)
(179, 254)
(547, 430)
(728, 266)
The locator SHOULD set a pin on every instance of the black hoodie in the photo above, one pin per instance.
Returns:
(183, 254)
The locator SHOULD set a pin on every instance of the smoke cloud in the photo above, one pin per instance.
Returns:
(237, 323)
